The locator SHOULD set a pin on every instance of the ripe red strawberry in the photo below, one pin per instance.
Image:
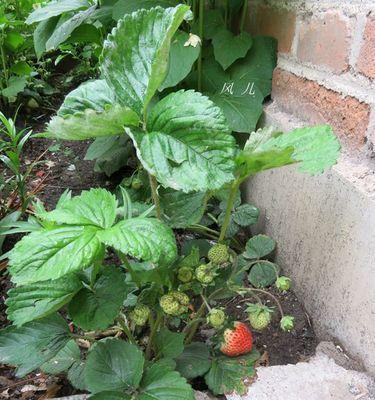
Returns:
(237, 340)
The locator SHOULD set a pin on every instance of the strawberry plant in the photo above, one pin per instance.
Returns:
(102, 292)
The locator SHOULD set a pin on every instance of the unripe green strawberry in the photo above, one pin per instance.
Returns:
(169, 305)
(216, 318)
(136, 183)
(283, 283)
(174, 303)
(218, 254)
(259, 316)
(287, 323)
(204, 274)
(140, 314)
(185, 274)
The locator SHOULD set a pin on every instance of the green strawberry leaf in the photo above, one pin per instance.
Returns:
(246, 215)
(37, 300)
(52, 253)
(90, 111)
(113, 365)
(96, 308)
(63, 360)
(135, 55)
(162, 384)
(315, 148)
(169, 344)
(263, 274)
(194, 361)
(228, 374)
(223, 40)
(259, 246)
(189, 147)
(30, 346)
(181, 60)
(182, 209)
(110, 153)
(95, 207)
(147, 239)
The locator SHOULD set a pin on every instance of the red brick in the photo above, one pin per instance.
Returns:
(325, 41)
(366, 59)
(279, 23)
(316, 104)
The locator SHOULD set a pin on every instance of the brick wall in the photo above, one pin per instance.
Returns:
(326, 64)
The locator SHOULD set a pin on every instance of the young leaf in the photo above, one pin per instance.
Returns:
(52, 253)
(97, 308)
(63, 360)
(315, 148)
(259, 246)
(263, 274)
(229, 48)
(64, 30)
(54, 8)
(181, 59)
(90, 111)
(182, 209)
(228, 375)
(163, 384)
(169, 344)
(144, 238)
(26, 303)
(113, 365)
(189, 147)
(95, 207)
(194, 361)
(135, 55)
(33, 344)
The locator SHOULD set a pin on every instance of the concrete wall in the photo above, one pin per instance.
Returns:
(325, 225)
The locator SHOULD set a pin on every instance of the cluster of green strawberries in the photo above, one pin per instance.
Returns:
(236, 337)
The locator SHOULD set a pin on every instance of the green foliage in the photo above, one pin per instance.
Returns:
(35, 343)
(263, 274)
(316, 149)
(12, 143)
(37, 300)
(146, 36)
(189, 172)
(259, 246)
(227, 374)
(96, 307)
(194, 361)
(118, 367)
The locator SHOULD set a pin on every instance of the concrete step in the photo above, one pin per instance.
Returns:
(321, 378)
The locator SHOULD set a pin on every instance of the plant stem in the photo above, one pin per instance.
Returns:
(155, 196)
(154, 327)
(201, 24)
(270, 295)
(228, 211)
(195, 324)
(226, 13)
(126, 330)
(245, 9)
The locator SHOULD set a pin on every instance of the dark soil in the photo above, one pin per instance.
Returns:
(63, 168)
